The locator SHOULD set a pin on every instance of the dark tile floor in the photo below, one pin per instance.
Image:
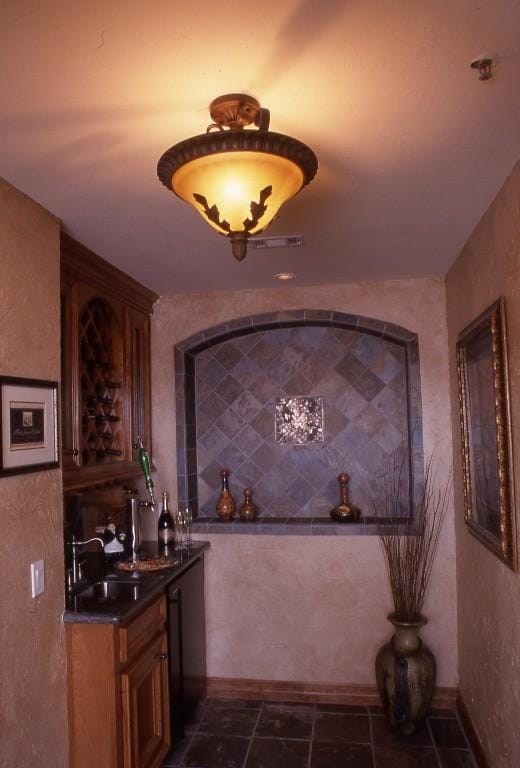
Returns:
(233, 733)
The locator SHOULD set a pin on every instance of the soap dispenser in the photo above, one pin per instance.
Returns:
(112, 540)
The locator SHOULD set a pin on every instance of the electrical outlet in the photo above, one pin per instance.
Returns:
(37, 578)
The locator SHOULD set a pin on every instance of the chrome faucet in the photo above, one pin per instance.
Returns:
(134, 540)
(76, 575)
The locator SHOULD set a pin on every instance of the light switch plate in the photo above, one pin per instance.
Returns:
(37, 578)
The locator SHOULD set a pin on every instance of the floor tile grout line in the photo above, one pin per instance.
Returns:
(372, 744)
(314, 715)
(191, 737)
(468, 745)
(432, 737)
(188, 745)
(248, 750)
(278, 738)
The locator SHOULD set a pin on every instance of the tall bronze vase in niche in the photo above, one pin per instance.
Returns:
(405, 676)
(225, 504)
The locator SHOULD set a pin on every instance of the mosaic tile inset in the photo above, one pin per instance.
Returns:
(299, 420)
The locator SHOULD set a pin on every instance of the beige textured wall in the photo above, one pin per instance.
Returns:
(300, 608)
(488, 592)
(33, 715)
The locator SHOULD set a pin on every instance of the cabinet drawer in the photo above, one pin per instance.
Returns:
(139, 633)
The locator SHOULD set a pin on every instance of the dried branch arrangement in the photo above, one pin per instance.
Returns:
(409, 554)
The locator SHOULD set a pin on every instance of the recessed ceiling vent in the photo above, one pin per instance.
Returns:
(284, 241)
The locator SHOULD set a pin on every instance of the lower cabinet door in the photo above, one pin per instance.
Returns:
(144, 688)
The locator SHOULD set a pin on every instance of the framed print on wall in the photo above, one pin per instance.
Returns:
(28, 425)
(486, 433)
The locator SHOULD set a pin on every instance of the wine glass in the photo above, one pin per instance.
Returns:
(188, 520)
(178, 521)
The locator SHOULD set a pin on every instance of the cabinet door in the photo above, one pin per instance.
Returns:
(70, 397)
(105, 369)
(101, 385)
(144, 689)
(138, 344)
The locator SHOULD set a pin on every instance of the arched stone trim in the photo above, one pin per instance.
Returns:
(185, 354)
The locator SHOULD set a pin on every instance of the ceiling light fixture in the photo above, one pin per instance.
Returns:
(237, 179)
(285, 275)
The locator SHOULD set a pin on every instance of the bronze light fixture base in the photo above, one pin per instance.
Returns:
(237, 179)
(235, 111)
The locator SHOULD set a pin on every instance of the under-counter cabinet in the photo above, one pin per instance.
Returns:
(105, 368)
(118, 691)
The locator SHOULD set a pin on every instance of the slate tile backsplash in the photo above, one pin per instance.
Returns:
(363, 381)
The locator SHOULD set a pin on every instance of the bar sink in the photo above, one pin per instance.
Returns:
(113, 590)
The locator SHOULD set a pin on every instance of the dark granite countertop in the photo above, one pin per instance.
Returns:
(84, 609)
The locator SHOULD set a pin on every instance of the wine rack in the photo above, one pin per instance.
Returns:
(105, 379)
(101, 376)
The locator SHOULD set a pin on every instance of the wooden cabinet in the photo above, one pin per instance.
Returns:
(105, 368)
(145, 708)
(118, 692)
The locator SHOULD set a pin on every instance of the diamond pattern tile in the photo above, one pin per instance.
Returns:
(228, 354)
(229, 389)
(362, 380)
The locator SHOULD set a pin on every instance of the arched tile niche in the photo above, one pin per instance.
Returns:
(361, 375)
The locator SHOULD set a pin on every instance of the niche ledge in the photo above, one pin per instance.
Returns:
(287, 526)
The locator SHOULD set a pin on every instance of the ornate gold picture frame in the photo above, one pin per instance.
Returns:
(486, 433)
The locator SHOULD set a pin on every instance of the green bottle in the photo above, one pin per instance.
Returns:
(144, 461)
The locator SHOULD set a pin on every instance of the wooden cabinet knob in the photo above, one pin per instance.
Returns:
(162, 656)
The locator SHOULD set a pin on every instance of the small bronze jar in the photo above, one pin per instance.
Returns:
(248, 511)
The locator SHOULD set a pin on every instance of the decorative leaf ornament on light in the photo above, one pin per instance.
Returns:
(237, 179)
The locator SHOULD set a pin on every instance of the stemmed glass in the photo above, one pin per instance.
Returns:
(178, 521)
(188, 520)
(183, 520)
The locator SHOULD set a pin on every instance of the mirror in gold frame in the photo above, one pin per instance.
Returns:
(486, 432)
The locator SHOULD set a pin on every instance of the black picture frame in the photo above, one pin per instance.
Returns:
(28, 425)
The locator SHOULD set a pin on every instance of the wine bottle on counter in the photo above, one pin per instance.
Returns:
(165, 526)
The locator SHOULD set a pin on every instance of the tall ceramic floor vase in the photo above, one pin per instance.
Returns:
(405, 675)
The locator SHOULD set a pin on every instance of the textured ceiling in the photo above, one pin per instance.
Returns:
(412, 146)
